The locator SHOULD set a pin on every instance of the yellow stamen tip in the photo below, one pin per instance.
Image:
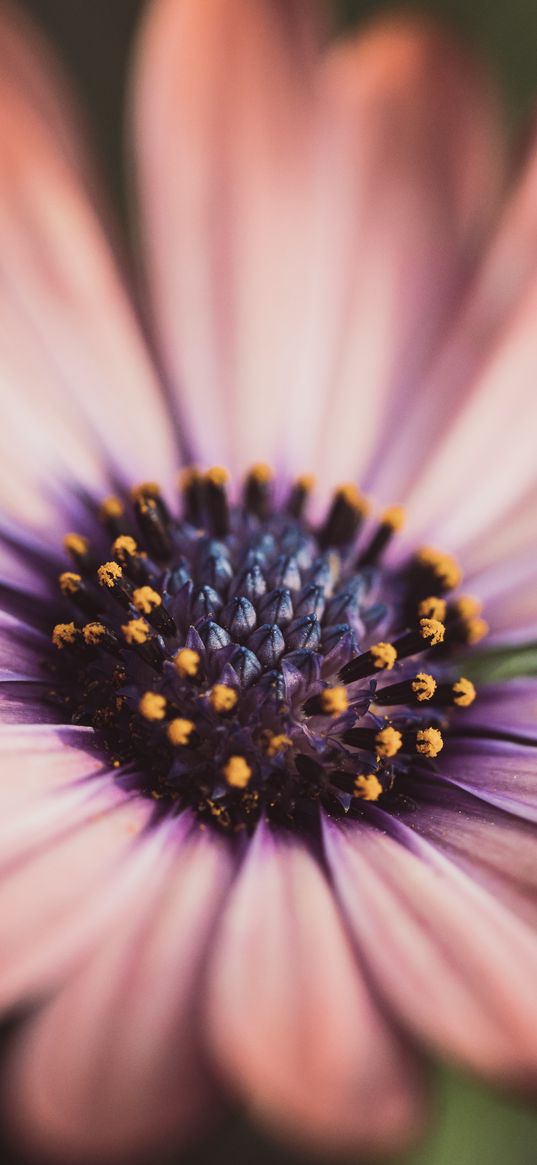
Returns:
(152, 706)
(261, 472)
(334, 701)
(475, 630)
(70, 583)
(433, 630)
(443, 566)
(383, 655)
(64, 634)
(179, 731)
(464, 692)
(222, 698)
(217, 475)
(187, 662)
(350, 494)
(145, 599)
(395, 517)
(93, 633)
(125, 547)
(136, 631)
(368, 787)
(388, 741)
(76, 544)
(433, 608)
(237, 772)
(109, 573)
(467, 607)
(146, 489)
(112, 507)
(424, 686)
(277, 742)
(306, 481)
(189, 476)
(429, 742)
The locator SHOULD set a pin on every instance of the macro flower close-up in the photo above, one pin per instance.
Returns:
(268, 513)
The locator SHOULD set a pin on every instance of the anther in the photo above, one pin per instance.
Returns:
(112, 577)
(277, 742)
(258, 491)
(391, 521)
(367, 786)
(475, 630)
(216, 498)
(345, 517)
(429, 633)
(152, 706)
(222, 698)
(148, 602)
(443, 568)
(299, 496)
(380, 657)
(331, 702)
(77, 545)
(386, 743)
(179, 731)
(237, 772)
(433, 607)
(65, 635)
(136, 631)
(153, 520)
(417, 690)
(125, 549)
(464, 692)
(187, 662)
(70, 583)
(74, 588)
(97, 635)
(429, 742)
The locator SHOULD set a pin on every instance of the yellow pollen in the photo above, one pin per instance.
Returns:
(109, 573)
(237, 772)
(76, 544)
(146, 489)
(222, 698)
(368, 787)
(187, 662)
(433, 608)
(334, 701)
(136, 631)
(70, 583)
(217, 475)
(112, 507)
(189, 476)
(388, 741)
(63, 634)
(145, 599)
(446, 569)
(261, 472)
(464, 693)
(93, 633)
(433, 630)
(277, 742)
(429, 742)
(384, 655)
(306, 481)
(395, 517)
(179, 731)
(152, 706)
(475, 630)
(349, 493)
(424, 686)
(467, 607)
(125, 547)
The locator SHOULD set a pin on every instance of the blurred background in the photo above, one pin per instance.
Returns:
(469, 1125)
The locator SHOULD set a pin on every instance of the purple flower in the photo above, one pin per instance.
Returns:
(257, 839)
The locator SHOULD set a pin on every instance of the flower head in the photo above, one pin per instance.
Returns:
(247, 778)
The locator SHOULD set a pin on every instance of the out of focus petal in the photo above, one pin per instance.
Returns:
(74, 369)
(294, 1025)
(113, 1065)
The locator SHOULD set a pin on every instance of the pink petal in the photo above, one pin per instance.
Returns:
(455, 966)
(112, 1066)
(508, 708)
(76, 381)
(500, 772)
(293, 1024)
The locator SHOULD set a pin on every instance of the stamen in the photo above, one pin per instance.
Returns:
(179, 731)
(64, 635)
(277, 742)
(187, 662)
(77, 545)
(386, 743)
(299, 495)
(433, 608)
(222, 698)
(152, 706)
(429, 742)
(380, 657)
(445, 570)
(464, 693)
(417, 690)
(368, 787)
(145, 599)
(191, 486)
(345, 517)
(331, 702)
(391, 521)
(109, 574)
(258, 491)
(476, 630)
(70, 583)
(216, 481)
(237, 772)
(136, 631)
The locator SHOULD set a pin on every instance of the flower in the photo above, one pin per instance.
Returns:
(257, 838)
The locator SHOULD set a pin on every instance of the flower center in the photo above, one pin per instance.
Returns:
(243, 662)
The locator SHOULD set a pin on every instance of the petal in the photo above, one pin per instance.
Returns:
(78, 392)
(222, 134)
(292, 1022)
(112, 1066)
(500, 772)
(455, 966)
(509, 707)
